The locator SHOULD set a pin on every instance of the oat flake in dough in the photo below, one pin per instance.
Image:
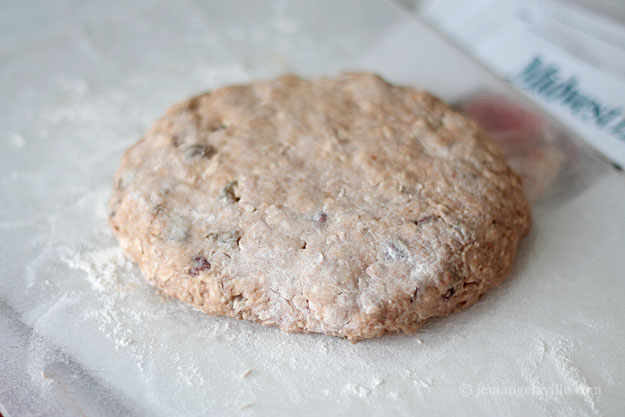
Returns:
(345, 206)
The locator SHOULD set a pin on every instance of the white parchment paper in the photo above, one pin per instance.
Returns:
(83, 334)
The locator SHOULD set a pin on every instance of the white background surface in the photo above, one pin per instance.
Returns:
(83, 333)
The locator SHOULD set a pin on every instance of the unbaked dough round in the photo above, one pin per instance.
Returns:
(346, 206)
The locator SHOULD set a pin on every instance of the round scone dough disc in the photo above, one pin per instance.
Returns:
(346, 206)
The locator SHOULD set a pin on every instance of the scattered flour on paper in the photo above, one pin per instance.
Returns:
(180, 356)
(560, 353)
(356, 390)
(17, 140)
(158, 334)
(153, 330)
(547, 358)
(107, 271)
(102, 267)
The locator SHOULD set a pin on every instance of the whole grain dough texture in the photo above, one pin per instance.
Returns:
(345, 206)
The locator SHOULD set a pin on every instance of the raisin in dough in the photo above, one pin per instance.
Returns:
(345, 206)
